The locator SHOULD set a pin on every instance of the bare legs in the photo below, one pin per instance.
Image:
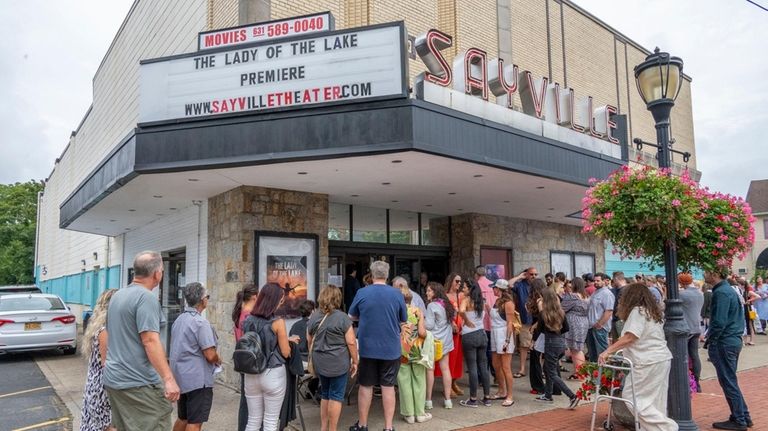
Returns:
(506, 378)
(330, 411)
(388, 399)
(364, 397)
(578, 358)
(523, 359)
(445, 369)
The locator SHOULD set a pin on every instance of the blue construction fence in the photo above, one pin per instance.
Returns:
(81, 288)
(630, 267)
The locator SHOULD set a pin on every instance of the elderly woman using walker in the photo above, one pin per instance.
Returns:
(642, 341)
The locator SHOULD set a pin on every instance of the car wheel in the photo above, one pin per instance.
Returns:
(70, 350)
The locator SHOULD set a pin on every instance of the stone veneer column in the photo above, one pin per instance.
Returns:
(233, 217)
(530, 241)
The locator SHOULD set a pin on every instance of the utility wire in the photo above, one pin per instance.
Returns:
(758, 5)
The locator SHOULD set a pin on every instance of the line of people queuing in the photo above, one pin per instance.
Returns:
(403, 341)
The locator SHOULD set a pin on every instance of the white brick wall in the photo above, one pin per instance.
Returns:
(151, 29)
(172, 232)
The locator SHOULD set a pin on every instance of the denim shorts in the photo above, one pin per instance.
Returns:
(333, 388)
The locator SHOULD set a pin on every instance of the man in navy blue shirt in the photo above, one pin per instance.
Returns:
(380, 310)
(521, 288)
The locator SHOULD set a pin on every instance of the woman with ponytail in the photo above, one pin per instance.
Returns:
(244, 303)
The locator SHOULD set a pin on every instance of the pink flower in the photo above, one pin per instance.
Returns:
(608, 215)
(676, 202)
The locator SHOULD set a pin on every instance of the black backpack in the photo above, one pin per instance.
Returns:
(251, 356)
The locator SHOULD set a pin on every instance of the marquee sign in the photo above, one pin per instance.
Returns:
(265, 31)
(334, 67)
(473, 73)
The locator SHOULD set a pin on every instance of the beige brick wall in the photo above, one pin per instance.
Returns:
(556, 45)
(589, 55)
(222, 13)
(415, 23)
(288, 8)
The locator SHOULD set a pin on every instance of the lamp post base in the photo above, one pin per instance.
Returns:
(679, 391)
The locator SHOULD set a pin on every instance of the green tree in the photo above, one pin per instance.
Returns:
(18, 216)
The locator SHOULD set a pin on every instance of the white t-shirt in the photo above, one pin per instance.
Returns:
(650, 346)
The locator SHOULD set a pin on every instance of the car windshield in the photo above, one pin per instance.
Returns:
(41, 303)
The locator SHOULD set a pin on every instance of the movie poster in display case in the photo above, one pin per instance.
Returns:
(290, 261)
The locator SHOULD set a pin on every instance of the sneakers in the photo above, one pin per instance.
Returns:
(409, 419)
(574, 403)
(428, 405)
(357, 427)
(544, 398)
(466, 403)
(448, 404)
(426, 417)
(487, 402)
(728, 425)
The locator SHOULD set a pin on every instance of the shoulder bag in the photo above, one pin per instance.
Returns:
(310, 365)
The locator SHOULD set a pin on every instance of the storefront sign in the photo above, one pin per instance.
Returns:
(335, 67)
(265, 31)
(473, 73)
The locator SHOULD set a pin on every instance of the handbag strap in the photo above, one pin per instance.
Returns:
(317, 332)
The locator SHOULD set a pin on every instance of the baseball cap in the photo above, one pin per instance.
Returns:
(501, 284)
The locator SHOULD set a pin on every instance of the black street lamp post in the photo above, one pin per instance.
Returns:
(659, 79)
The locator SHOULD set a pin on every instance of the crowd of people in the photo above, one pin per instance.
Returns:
(389, 336)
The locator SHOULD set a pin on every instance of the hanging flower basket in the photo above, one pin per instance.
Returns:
(638, 210)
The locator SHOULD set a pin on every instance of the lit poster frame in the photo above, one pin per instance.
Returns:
(291, 261)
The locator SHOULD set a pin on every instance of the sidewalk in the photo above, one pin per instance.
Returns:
(67, 375)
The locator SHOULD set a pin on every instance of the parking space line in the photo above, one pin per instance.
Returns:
(24, 391)
(43, 424)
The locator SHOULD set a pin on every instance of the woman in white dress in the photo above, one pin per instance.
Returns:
(503, 340)
(642, 341)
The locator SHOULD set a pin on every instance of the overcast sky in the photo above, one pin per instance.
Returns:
(50, 49)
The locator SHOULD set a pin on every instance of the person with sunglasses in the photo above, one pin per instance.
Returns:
(453, 287)
(521, 289)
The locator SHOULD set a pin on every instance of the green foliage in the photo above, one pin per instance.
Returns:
(638, 210)
(18, 214)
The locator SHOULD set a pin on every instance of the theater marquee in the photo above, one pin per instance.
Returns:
(333, 67)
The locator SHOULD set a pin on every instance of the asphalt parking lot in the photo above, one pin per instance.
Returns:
(27, 400)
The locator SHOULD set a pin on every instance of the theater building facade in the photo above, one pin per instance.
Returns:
(253, 141)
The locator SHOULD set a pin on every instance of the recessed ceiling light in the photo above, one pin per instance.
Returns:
(478, 176)
(385, 184)
(132, 210)
(97, 228)
(192, 179)
(395, 201)
(549, 216)
(301, 173)
(428, 205)
(159, 214)
(506, 202)
(172, 209)
(460, 209)
(157, 196)
(397, 161)
(451, 193)
(112, 220)
(354, 196)
(551, 209)
(540, 187)
(127, 228)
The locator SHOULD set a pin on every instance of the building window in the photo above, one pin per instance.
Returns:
(435, 230)
(338, 222)
(765, 228)
(573, 264)
(403, 227)
(369, 224)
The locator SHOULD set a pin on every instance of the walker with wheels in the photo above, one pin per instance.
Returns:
(622, 364)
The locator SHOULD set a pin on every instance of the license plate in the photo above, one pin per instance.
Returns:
(33, 326)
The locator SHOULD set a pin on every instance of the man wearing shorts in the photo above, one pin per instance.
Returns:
(521, 288)
(380, 310)
(137, 377)
(193, 360)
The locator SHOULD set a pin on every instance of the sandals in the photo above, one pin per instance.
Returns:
(508, 403)
(518, 375)
(563, 369)
(497, 397)
(574, 377)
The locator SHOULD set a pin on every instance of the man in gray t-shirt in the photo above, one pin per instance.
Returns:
(693, 300)
(599, 314)
(137, 377)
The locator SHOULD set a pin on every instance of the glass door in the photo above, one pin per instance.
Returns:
(171, 293)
